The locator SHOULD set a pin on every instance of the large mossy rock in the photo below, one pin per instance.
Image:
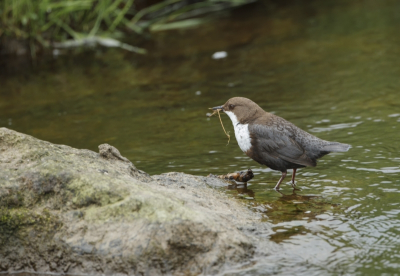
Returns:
(77, 211)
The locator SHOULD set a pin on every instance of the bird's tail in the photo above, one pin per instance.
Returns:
(336, 147)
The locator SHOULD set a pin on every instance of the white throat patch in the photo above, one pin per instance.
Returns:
(242, 133)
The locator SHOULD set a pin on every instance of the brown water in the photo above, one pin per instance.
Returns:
(330, 67)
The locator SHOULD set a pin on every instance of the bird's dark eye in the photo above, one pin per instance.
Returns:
(231, 106)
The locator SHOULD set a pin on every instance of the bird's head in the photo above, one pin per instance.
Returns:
(239, 109)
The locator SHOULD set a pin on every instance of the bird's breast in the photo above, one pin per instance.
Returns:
(242, 135)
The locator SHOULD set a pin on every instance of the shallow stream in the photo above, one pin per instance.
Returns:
(330, 67)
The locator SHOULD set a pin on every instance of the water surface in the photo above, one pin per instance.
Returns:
(330, 67)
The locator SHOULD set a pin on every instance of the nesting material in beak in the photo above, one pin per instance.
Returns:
(216, 110)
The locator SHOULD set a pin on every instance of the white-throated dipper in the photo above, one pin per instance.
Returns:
(274, 142)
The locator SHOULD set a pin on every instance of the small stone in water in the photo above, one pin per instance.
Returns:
(219, 55)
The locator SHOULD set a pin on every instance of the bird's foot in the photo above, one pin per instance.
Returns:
(294, 186)
(278, 191)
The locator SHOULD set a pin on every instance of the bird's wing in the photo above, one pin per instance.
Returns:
(279, 144)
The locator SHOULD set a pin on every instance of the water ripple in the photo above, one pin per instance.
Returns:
(336, 126)
(383, 170)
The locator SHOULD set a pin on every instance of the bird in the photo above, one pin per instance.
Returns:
(273, 141)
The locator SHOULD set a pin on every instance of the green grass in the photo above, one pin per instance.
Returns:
(41, 22)
(50, 20)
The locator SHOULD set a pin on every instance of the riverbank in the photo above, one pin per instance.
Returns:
(30, 27)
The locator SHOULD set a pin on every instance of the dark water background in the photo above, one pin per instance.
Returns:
(330, 67)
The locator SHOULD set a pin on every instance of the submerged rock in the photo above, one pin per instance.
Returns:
(66, 210)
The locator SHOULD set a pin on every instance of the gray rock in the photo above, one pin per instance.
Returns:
(66, 210)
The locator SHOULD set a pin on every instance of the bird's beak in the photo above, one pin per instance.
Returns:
(221, 107)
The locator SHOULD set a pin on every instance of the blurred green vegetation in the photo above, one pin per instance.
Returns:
(46, 21)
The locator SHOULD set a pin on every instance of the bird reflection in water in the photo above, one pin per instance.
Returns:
(241, 188)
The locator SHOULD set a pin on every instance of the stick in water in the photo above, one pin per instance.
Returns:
(219, 115)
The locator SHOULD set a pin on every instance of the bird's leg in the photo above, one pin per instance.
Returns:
(280, 180)
(293, 182)
(293, 176)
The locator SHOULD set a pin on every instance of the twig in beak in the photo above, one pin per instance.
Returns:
(219, 115)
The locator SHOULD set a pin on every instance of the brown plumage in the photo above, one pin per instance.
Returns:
(272, 141)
